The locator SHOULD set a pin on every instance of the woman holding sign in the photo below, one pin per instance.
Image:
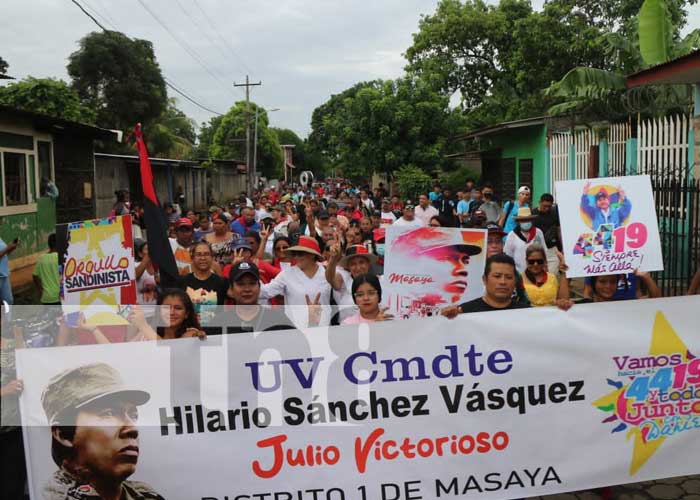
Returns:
(612, 287)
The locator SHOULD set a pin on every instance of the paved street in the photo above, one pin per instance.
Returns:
(674, 488)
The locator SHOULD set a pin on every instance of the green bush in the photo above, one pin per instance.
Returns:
(412, 181)
(456, 178)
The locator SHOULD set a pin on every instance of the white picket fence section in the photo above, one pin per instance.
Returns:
(559, 158)
(618, 133)
(662, 143)
(583, 140)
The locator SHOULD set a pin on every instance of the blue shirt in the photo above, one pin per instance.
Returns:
(463, 207)
(616, 214)
(4, 262)
(510, 223)
(432, 196)
(626, 286)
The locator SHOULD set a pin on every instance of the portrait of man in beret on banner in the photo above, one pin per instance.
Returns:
(94, 438)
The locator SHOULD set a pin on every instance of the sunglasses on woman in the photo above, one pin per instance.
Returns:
(533, 262)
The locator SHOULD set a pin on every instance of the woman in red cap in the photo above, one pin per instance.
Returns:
(304, 287)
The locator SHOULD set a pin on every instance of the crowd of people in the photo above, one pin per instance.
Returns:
(296, 257)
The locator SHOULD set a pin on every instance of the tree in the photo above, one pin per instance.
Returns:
(172, 135)
(229, 139)
(205, 137)
(47, 96)
(380, 126)
(119, 78)
(412, 181)
(3, 66)
(595, 93)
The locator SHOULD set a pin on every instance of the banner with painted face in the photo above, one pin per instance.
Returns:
(609, 226)
(490, 405)
(429, 268)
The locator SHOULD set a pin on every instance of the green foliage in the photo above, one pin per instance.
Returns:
(412, 181)
(205, 137)
(654, 32)
(500, 57)
(457, 178)
(3, 66)
(47, 96)
(380, 126)
(585, 88)
(119, 78)
(228, 141)
(594, 93)
(172, 135)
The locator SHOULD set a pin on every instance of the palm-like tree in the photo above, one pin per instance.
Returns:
(593, 93)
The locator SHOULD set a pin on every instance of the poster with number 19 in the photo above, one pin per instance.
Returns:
(609, 226)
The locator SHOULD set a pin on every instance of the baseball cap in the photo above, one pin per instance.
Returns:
(601, 194)
(494, 228)
(523, 189)
(182, 222)
(409, 206)
(241, 269)
(241, 244)
(75, 388)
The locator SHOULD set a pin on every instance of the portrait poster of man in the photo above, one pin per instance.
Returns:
(609, 226)
(431, 267)
(84, 420)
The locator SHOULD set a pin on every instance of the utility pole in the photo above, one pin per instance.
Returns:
(247, 86)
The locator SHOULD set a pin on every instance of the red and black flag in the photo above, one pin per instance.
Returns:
(159, 248)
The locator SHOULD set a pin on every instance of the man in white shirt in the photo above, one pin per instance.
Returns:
(366, 200)
(425, 211)
(409, 217)
(386, 216)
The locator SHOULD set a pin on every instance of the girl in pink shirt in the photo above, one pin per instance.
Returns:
(367, 294)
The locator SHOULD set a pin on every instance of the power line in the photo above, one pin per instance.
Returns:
(191, 99)
(89, 15)
(167, 82)
(182, 44)
(201, 28)
(226, 44)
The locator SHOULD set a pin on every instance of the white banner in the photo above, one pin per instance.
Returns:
(489, 405)
(609, 226)
(429, 268)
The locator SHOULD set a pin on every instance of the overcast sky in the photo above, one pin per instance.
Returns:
(303, 51)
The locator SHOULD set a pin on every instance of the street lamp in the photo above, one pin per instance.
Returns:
(255, 142)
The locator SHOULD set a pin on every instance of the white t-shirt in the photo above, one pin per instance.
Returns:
(409, 223)
(295, 286)
(424, 215)
(368, 203)
(343, 297)
(387, 218)
(515, 247)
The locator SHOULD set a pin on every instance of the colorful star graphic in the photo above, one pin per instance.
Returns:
(664, 340)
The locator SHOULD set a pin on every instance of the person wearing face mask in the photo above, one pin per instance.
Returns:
(524, 235)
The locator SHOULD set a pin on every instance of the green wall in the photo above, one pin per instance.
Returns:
(526, 143)
(32, 229)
